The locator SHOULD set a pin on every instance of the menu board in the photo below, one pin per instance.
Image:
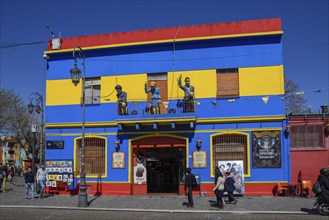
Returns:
(59, 171)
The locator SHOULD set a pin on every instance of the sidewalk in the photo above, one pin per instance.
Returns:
(14, 197)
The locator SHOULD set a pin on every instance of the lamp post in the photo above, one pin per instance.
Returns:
(38, 107)
(75, 76)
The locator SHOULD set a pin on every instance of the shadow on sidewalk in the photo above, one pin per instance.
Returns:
(313, 211)
(96, 197)
(213, 203)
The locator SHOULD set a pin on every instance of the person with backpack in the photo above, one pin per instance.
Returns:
(229, 188)
(323, 179)
(190, 183)
(219, 190)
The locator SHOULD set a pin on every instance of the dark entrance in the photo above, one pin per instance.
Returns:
(165, 169)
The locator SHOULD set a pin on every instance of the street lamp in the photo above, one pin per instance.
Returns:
(75, 76)
(38, 107)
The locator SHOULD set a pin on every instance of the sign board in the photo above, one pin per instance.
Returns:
(33, 128)
(60, 171)
(199, 159)
(55, 144)
(266, 149)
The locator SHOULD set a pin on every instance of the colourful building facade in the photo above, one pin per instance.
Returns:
(237, 111)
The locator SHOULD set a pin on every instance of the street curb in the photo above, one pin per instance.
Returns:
(157, 210)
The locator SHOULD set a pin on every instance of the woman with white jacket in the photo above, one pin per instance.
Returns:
(219, 190)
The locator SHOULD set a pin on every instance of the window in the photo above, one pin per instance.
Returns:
(227, 83)
(156, 76)
(94, 156)
(92, 90)
(307, 136)
(230, 147)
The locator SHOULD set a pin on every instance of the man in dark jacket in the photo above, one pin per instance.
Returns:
(29, 183)
(189, 185)
(229, 188)
(323, 179)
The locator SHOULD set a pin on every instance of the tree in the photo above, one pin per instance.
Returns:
(294, 103)
(15, 121)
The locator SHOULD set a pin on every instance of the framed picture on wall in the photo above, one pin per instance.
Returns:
(266, 149)
(199, 159)
(118, 160)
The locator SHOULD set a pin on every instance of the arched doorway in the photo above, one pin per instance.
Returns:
(159, 164)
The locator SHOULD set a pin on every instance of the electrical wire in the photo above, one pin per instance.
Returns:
(21, 44)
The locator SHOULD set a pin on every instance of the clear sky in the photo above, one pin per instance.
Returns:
(23, 69)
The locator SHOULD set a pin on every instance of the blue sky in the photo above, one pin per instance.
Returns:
(22, 68)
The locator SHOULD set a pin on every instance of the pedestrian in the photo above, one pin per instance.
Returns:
(219, 190)
(2, 176)
(229, 188)
(189, 182)
(217, 171)
(323, 179)
(29, 183)
(41, 179)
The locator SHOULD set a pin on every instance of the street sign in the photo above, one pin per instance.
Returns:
(34, 128)
(55, 144)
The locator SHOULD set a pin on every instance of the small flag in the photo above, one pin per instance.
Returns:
(265, 99)
(165, 104)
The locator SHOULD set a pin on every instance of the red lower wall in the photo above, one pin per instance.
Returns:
(306, 164)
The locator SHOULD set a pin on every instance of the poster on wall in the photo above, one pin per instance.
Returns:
(139, 174)
(266, 149)
(235, 170)
(118, 160)
(199, 159)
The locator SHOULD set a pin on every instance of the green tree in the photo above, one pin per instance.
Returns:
(15, 121)
(294, 103)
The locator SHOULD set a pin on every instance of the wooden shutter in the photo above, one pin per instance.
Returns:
(227, 85)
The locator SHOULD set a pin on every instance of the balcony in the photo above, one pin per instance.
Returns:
(142, 113)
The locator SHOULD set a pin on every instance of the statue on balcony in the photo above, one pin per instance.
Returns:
(156, 97)
(188, 94)
(122, 101)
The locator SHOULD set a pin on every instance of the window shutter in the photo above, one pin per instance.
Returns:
(227, 85)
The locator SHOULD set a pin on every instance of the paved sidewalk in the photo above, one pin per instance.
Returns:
(14, 196)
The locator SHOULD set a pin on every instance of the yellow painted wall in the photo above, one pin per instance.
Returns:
(267, 80)
(204, 82)
(253, 81)
(62, 92)
(132, 84)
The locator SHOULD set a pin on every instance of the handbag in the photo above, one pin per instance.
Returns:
(38, 187)
(317, 187)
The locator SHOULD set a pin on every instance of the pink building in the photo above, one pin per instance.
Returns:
(309, 144)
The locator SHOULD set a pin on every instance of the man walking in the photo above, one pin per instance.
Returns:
(41, 179)
(189, 185)
(29, 183)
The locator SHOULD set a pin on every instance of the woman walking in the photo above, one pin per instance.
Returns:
(219, 190)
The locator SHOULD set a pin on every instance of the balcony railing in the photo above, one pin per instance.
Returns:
(145, 108)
